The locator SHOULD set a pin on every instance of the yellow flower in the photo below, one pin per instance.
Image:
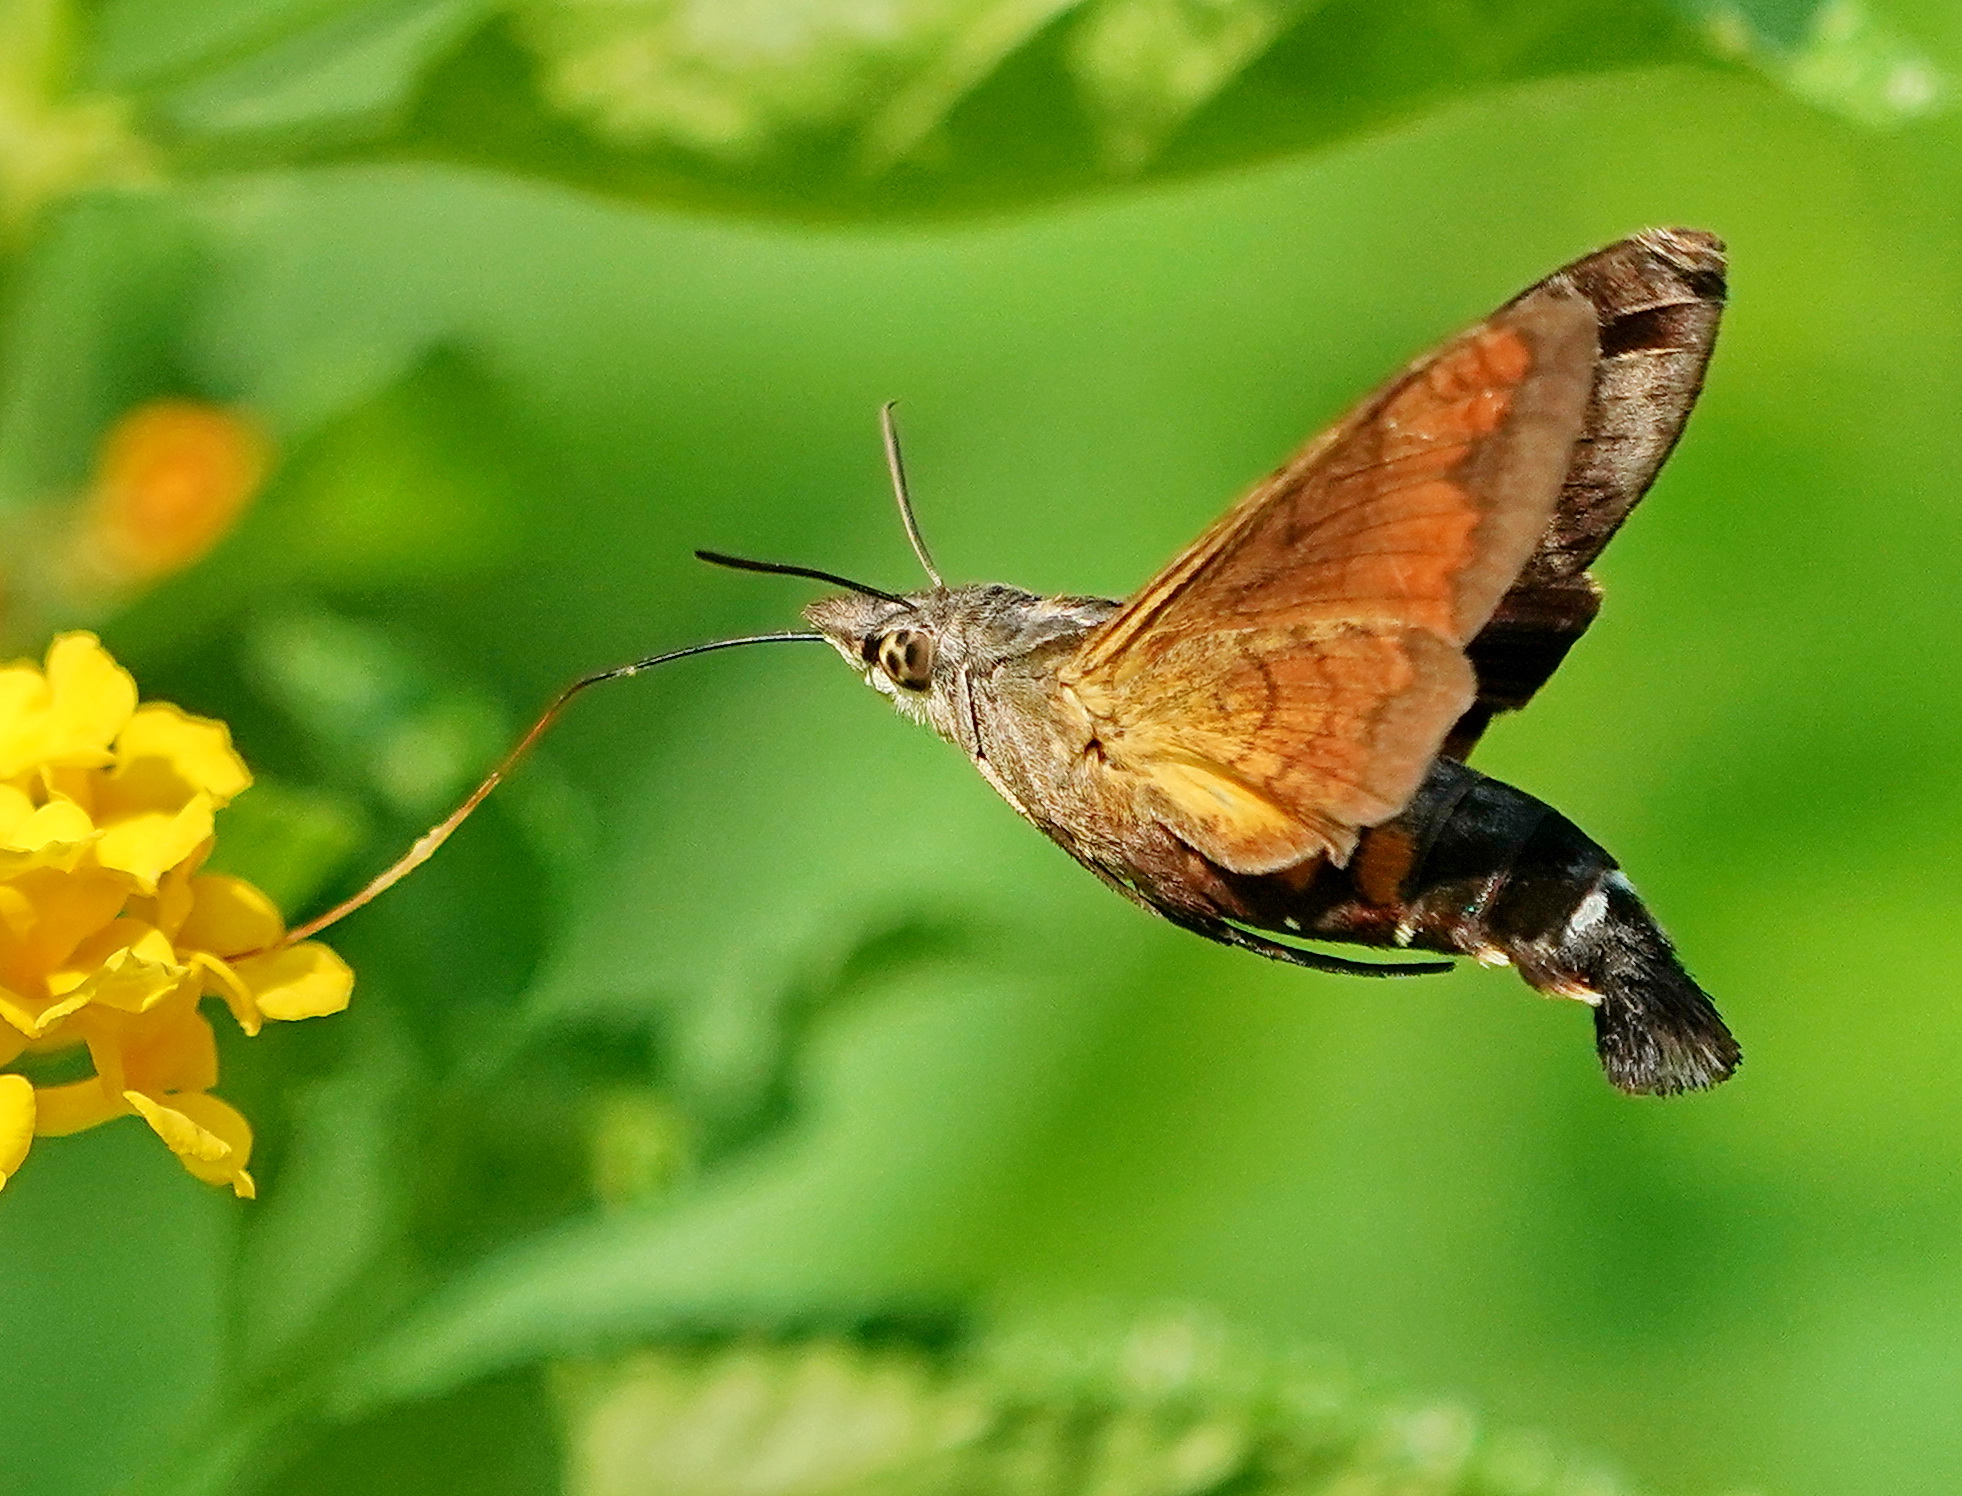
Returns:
(110, 937)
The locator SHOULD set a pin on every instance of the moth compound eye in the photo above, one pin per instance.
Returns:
(906, 656)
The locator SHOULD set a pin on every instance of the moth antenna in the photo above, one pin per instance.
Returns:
(896, 466)
(426, 844)
(781, 569)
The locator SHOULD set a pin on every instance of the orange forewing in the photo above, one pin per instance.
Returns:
(1286, 680)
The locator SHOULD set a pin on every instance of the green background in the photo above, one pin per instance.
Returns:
(750, 1007)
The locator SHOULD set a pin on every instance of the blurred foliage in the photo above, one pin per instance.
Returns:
(882, 106)
(1039, 1405)
(744, 1014)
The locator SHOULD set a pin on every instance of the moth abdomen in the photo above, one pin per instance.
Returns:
(1655, 1029)
(1574, 926)
(1506, 876)
(1474, 867)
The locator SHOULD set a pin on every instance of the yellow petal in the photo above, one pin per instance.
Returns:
(147, 845)
(36, 1017)
(19, 1012)
(81, 1104)
(56, 835)
(48, 913)
(186, 1139)
(221, 981)
(230, 917)
(86, 961)
(170, 1048)
(209, 1138)
(196, 753)
(16, 1123)
(136, 976)
(68, 716)
(170, 905)
(93, 698)
(23, 717)
(15, 805)
(57, 821)
(174, 897)
(69, 782)
(301, 981)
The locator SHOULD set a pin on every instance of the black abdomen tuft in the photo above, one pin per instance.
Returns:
(1477, 868)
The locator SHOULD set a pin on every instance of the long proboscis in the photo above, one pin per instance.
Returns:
(426, 844)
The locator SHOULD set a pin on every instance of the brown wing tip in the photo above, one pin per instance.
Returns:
(1696, 256)
(1699, 242)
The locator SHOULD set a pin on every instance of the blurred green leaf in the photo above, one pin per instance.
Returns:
(838, 109)
(923, 1205)
(738, 81)
(859, 108)
(1842, 55)
(356, 71)
(1045, 1404)
(940, 104)
(142, 42)
(412, 485)
(113, 1339)
(381, 718)
(294, 68)
(316, 1267)
(288, 839)
(1147, 66)
(497, 1438)
(55, 140)
(95, 318)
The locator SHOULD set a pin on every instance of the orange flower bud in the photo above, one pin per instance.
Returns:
(172, 478)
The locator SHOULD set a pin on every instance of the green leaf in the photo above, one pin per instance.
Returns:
(1045, 1404)
(1841, 55)
(288, 839)
(1147, 66)
(97, 310)
(496, 1438)
(381, 718)
(734, 81)
(295, 70)
(913, 1168)
(901, 107)
(315, 1263)
(850, 108)
(58, 140)
(141, 43)
(112, 1342)
(414, 485)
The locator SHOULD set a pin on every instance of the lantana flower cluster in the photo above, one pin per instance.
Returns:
(110, 936)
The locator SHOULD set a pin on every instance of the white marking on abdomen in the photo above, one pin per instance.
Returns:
(1592, 910)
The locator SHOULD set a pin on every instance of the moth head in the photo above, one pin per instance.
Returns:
(894, 645)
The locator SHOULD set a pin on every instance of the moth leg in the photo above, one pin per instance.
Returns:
(1220, 932)
(1294, 955)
